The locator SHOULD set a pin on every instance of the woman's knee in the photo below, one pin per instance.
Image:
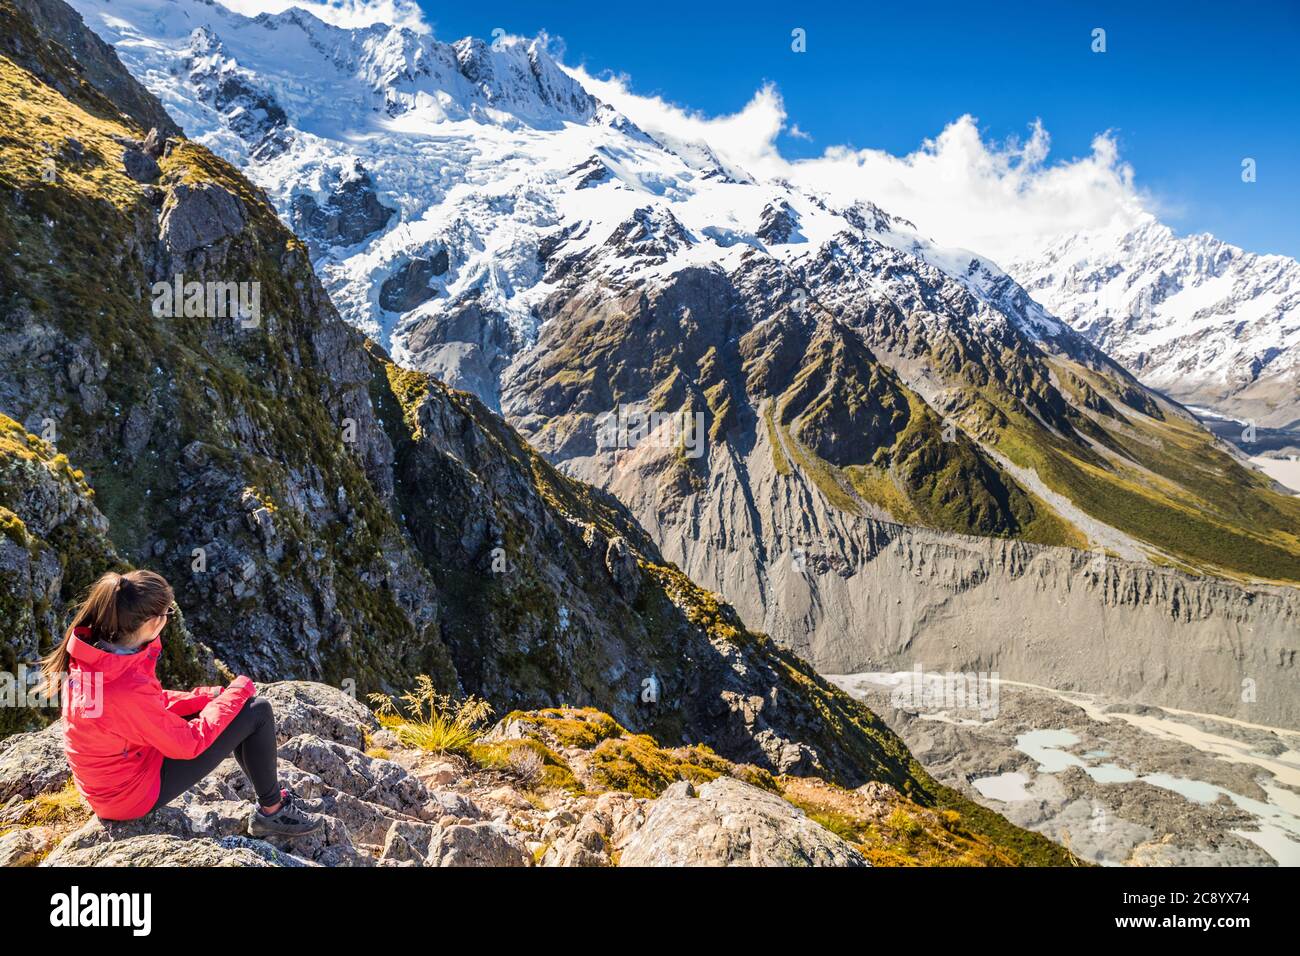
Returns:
(260, 709)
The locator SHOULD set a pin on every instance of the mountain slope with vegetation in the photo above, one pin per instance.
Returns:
(321, 512)
(954, 410)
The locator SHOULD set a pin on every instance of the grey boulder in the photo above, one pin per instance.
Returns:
(730, 823)
(199, 216)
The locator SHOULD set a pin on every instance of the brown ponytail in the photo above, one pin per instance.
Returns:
(114, 608)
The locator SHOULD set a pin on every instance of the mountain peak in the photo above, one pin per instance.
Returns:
(1198, 317)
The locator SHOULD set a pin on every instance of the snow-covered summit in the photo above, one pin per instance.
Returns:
(446, 173)
(1199, 318)
(333, 82)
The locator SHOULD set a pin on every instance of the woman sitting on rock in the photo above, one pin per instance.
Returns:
(133, 746)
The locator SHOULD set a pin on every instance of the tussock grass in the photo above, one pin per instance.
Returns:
(428, 720)
(62, 811)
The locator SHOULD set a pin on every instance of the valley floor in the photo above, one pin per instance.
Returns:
(1118, 783)
(1284, 470)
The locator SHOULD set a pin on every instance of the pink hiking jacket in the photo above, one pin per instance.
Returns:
(119, 724)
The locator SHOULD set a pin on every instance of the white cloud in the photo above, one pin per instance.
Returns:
(746, 139)
(342, 13)
(1001, 199)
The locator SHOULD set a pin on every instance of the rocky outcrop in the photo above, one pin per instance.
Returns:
(409, 287)
(730, 823)
(560, 787)
(25, 847)
(198, 216)
(590, 173)
(140, 166)
(32, 764)
(350, 213)
(779, 224)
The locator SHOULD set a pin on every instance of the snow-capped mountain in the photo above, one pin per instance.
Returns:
(478, 212)
(430, 179)
(1202, 320)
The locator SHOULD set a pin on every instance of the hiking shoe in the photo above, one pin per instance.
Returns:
(289, 821)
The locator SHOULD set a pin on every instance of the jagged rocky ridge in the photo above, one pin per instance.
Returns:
(323, 513)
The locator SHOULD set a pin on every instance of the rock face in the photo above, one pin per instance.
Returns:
(466, 345)
(25, 847)
(140, 166)
(729, 823)
(779, 224)
(32, 764)
(951, 603)
(351, 213)
(199, 216)
(409, 286)
(478, 844)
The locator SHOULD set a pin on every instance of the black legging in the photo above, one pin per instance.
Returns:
(250, 738)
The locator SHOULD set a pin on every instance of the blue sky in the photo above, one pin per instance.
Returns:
(1189, 89)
